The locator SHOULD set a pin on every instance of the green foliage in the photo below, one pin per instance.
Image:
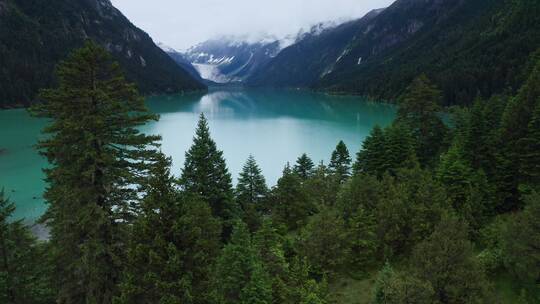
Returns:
(411, 205)
(324, 242)
(396, 288)
(304, 167)
(446, 260)
(174, 240)
(516, 139)
(362, 235)
(385, 151)
(530, 143)
(340, 163)
(251, 192)
(418, 111)
(521, 251)
(25, 274)
(467, 47)
(468, 191)
(269, 246)
(239, 276)
(289, 201)
(97, 157)
(205, 174)
(361, 192)
(302, 288)
(491, 238)
(321, 187)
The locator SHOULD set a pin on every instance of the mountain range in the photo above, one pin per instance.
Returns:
(231, 60)
(36, 35)
(467, 47)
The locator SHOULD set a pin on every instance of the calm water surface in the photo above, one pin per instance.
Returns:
(275, 126)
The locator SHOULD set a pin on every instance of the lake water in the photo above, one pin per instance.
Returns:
(275, 126)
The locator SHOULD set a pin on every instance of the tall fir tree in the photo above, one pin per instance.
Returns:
(268, 243)
(530, 158)
(174, 240)
(239, 276)
(340, 163)
(97, 158)
(251, 193)
(25, 274)
(304, 167)
(320, 187)
(289, 202)
(371, 158)
(515, 123)
(400, 148)
(205, 174)
(418, 110)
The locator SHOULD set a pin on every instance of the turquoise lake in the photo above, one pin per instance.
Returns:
(275, 126)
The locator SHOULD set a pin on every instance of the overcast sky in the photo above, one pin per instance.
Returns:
(183, 23)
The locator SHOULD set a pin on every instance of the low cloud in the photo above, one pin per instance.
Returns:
(184, 23)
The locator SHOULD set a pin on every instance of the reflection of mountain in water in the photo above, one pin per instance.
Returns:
(264, 104)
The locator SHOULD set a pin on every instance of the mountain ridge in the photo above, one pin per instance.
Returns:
(35, 36)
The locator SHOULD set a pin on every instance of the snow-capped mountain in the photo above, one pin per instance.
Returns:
(229, 60)
(179, 58)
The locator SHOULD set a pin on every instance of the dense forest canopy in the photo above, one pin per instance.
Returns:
(425, 212)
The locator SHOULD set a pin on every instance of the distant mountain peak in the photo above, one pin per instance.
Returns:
(165, 47)
(232, 58)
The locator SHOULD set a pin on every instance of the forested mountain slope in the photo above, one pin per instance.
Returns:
(36, 35)
(314, 54)
(467, 47)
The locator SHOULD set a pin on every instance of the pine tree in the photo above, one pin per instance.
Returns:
(467, 190)
(251, 192)
(239, 276)
(259, 288)
(521, 250)
(446, 260)
(97, 158)
(173, 241)
(269, 246)
(362, 237)
(530, 158)
(418, 110)
(400, 147)
(205, 174)
(340, 163)
(302, 288)
(304, 167)
(382, 284)
(25, 277)
(515, 123)
(289, 202)
(371, 159)
(321, 188)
